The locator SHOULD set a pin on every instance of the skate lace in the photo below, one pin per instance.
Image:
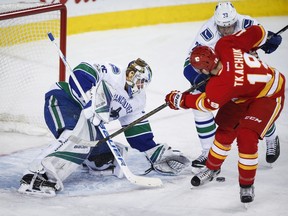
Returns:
(202, 157)
(247, 192)
(271, 147)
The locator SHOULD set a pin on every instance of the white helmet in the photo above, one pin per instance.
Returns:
(225, 14)
(138, 76)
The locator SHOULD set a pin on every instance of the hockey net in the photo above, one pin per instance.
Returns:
(29, 63)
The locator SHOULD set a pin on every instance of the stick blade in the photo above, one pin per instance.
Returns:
(142, 180)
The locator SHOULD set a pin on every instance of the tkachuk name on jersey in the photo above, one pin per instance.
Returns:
(239, 67)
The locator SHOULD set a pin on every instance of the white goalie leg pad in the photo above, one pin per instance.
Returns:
(34, 181)
(65, 161)
(69, 155)
(36, 165)
(167, 161)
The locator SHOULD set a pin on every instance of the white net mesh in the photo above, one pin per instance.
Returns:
(29, 64)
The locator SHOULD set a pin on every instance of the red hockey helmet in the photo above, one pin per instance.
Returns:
(203, 57)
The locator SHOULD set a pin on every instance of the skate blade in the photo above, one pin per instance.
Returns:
(246, 206)
(46, 192)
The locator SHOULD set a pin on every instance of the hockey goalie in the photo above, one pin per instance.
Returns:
(114, 94)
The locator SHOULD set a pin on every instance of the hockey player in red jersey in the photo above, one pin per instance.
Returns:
(249, 96)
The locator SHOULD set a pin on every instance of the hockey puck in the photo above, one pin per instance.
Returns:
(220, 179)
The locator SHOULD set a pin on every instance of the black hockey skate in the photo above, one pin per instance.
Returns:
(200, 162)
(37, 185)
(273, 150)
(204, 176)
(247, 193)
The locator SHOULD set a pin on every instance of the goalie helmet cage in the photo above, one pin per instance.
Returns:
(29, 64)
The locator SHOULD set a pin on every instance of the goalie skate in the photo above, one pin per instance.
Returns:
(37, 185)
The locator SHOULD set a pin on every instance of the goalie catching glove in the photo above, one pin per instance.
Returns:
(165, 160)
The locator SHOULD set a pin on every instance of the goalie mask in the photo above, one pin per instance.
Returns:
(138, 76)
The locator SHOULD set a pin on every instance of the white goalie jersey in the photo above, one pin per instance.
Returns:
(123, 106)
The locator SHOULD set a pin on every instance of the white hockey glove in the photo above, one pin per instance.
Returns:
(166, 161)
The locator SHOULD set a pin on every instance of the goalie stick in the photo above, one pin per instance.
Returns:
(138, 180)
(63, 58)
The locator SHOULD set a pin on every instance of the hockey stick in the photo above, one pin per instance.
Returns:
(280, 31)
(138, 180)
(63, 58)
(149, 114)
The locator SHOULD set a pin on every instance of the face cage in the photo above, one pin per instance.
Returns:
(138, 83)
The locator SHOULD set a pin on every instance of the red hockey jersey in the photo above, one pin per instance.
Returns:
(243, 76)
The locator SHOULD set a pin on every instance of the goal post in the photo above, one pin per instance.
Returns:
(28, 62)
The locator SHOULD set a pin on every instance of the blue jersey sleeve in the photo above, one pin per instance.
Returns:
(140, 136)
(86, 75)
